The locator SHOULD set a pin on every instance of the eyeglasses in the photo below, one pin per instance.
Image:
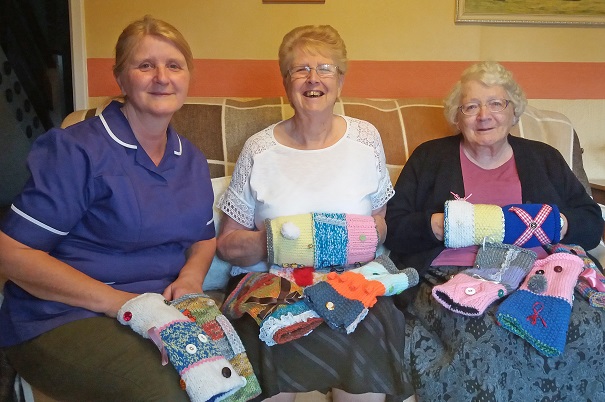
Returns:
(494, 106)
(322, 70)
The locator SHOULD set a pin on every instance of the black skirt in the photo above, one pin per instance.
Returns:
(368, 360)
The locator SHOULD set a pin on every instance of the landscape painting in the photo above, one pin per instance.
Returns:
(589, 12)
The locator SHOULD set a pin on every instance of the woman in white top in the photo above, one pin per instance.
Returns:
(315, 161)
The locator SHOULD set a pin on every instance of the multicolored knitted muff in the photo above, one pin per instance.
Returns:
(523, 225)
(204, 312)
(197, 353)
(540, 310)
(321, 240)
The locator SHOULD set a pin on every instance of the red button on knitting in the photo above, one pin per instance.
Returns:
(558, 268)
(127, 316)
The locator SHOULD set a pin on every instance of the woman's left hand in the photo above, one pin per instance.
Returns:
(381, 225)
(564, 226)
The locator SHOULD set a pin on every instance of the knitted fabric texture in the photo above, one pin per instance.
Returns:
(288, 323)
(203, 311)
(259, 294)
(331, 240)
(290, 240)
(321, 240)
(467, 224)
(205, 373)
(362, 238)
(489, 223)
(591, 283)
(531, 225)
(498, 270)
(340, 313)
(540, 310)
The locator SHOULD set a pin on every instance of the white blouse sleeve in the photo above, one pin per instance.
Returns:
(238, 201)
(368, 134)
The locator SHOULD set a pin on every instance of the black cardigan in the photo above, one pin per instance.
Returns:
(433, 171)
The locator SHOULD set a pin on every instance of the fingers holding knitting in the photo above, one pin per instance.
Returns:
(437, 224)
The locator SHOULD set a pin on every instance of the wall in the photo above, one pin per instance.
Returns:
(397, 49)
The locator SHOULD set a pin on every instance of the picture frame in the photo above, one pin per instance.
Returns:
(546, 12)
(293, 1)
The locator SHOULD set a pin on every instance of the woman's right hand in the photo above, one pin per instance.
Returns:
(239, 245)
(437, 224)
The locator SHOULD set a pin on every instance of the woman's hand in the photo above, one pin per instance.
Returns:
(239, 245)
(381, 224)
(564, 226)
(437, 223)
(192, 275)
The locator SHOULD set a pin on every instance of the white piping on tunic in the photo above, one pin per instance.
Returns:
(37, 222)
(113, 136)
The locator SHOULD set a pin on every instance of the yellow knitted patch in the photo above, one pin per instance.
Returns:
(489, 223)
(288, 252)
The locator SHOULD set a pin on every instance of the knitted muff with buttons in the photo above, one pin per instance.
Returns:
(205, 372)
(343, 299)
(591, 283)
(321, 240)
(540, 310)
(498, 270)
(204, 312)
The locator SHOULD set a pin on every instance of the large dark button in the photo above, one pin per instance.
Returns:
(558, 268)
(226, 372)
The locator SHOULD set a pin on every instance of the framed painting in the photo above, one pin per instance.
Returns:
(293, 1)
(562, 12)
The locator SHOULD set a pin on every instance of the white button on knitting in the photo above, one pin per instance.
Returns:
(470, 291)
(191, 348)
(203, 338)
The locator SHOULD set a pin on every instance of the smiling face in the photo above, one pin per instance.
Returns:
(312, 93)
(156, 78)
(486, 129)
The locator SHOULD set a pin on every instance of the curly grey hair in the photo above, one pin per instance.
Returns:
(490, 73)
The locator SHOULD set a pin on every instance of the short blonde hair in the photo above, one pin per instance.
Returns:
(131, 37)
(490, 73)
(321, 39)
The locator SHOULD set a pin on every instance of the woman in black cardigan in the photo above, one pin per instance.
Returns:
(453, 356)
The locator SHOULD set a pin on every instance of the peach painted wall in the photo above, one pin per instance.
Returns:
(397, 48)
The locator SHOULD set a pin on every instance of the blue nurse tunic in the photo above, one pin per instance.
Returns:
(97, 202)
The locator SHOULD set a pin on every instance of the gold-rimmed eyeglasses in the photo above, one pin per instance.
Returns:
(323, 71)
(494, 106)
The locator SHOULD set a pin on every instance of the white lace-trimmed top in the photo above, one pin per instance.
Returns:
(272, 180)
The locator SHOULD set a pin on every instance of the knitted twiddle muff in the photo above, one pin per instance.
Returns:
(540, 310)
(343, 300)
(205, 313)
(275, 303)
(498, 270)
(591, 283)
(205, 372)
(321, 240)
(467, 224)
(523, 225)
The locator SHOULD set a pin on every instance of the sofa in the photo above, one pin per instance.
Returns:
(220, 126)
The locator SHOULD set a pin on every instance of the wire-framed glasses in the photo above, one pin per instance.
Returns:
(494, 106)
(322, 70)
